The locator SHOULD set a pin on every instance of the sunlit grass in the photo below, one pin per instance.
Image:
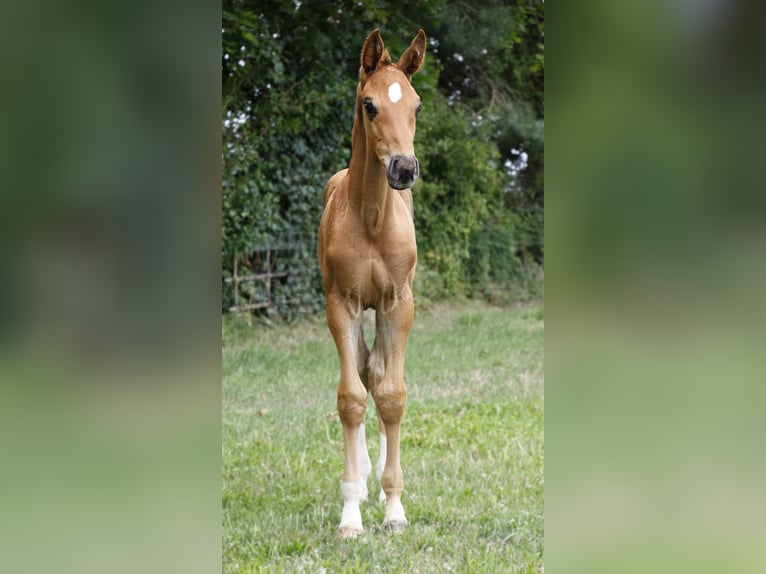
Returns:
(472, 448)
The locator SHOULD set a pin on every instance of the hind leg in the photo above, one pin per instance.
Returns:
(381, 458)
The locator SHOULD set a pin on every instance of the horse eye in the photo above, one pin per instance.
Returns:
(369, 107)
(420, 107)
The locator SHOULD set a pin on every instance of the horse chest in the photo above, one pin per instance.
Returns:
(389, 265)
(371, 275)
(384, 281)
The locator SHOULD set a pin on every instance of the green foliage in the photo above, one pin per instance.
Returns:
(492, 55)
(289, 77)
(460, 197)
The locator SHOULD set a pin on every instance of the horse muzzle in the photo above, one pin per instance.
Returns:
(403, 171)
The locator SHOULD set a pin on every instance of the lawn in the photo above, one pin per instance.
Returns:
(472, 447)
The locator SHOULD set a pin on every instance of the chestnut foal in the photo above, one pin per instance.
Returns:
(367, 253)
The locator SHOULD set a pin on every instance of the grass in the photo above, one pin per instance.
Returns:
(472, 448)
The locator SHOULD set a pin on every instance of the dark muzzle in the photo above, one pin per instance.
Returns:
(403, 171)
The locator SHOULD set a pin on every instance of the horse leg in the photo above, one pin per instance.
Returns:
(386, 373)
(345, 322)
(363, 455)
(381, 458)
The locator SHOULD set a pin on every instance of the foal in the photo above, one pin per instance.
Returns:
(367, 253)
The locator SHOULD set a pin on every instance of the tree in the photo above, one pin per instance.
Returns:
(289, 72)
(492, 53)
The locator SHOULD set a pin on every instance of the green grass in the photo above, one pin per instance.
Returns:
(472, 448)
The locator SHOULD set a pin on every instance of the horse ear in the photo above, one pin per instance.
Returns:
(413, 58)
(372, 51)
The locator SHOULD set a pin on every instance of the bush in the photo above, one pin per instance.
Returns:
(466, 235)
(289, 79)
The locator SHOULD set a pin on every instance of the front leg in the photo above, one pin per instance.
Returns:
(386, 375)
(345, 321)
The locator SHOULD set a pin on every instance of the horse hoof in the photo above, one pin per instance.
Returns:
(349, 531)
(395, 526)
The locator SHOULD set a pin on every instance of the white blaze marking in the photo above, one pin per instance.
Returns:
(395, 92)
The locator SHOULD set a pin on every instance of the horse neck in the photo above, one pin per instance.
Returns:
(369, 192)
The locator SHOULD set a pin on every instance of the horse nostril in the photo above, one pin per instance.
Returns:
(403, 171)
(393, 169)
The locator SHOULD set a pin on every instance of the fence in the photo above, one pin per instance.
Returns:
(267, 277)
(279, 278)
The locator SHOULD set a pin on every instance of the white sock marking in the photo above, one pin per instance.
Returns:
(353, 494)
(394, 510)
(395, 92)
